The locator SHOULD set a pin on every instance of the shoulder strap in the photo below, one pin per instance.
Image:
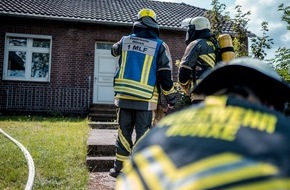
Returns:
(217, 49)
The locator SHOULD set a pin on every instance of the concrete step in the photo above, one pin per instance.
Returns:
(103, 125)
(102, 117)
(101, 149)
(101, 146)
(101, 142)
(100, 163)
(102, 112)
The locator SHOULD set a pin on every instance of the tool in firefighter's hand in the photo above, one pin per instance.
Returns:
(183, 88)
(186, 88)
(159, 113)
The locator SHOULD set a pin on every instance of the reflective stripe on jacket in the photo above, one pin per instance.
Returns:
(136, 77)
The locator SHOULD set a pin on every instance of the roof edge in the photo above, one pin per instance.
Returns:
(92, 21)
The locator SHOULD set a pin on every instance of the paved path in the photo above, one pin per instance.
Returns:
(101, 181)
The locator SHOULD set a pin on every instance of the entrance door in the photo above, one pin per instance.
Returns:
(104, 70)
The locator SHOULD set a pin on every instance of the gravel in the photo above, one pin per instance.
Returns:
(101, 181)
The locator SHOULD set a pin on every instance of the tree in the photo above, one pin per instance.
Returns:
(281, 61)
(241, 33)
(259, 44)
(217, 17)
(286, 15)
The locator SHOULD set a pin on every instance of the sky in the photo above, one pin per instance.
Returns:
(261, 10)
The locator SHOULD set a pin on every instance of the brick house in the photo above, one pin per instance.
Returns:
(55, 54)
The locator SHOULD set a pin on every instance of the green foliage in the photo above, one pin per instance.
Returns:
(259, 44)
(58, 147)
(284, 73)
(286, 14)
(217, 17)
(240, 28)
(281, 61)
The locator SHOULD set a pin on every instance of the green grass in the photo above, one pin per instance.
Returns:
(58, 147)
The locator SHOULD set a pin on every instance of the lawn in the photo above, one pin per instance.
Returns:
(58, 146)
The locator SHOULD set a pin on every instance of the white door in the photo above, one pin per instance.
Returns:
(104, 70)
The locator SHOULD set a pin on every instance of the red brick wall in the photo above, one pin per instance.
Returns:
(73, 47)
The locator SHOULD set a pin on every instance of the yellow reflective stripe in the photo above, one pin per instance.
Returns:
(133, 88)
(121, 157)
(140, 138)
(212, 55)
(220, 178)
(183, 84)
(208, 60)
(265, 184)
(258, 170)
(123, 140)
(171, 91)
(123, 64)
(160, 166)
(129, 182)
(154, 99)
(134, 84)
(135, 91)
(208, 163)
(146, 69)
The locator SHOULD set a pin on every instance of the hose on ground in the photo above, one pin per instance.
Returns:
(29, 159)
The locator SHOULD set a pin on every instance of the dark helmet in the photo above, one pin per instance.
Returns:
(264, 81)
(146, 18)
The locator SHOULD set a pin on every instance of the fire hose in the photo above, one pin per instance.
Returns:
(29, 159)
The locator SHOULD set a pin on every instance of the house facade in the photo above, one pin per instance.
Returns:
(55, 56)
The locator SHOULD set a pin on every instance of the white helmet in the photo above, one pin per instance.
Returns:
(196, 23)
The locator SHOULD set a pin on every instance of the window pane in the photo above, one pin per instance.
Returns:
(104, 46)
(41, 43)
(40, 65)
(17, 41)
(16, 63)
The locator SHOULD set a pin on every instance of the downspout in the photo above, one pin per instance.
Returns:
(89, 92)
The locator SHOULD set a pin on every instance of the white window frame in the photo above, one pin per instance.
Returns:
(29, 50)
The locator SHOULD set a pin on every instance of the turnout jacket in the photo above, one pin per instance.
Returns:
(144, 65)
(221, 143)
(198, 57)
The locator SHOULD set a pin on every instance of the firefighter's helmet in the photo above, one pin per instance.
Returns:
(200, 23)
(146, 18)
(254, 74)
(146, 12)
(196, 23)
(195, 26)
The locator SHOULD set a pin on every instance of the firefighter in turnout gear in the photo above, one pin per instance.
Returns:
(144, 66)
(199, 56)
(237, 138)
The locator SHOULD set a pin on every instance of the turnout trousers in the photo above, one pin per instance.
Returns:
(130, 119)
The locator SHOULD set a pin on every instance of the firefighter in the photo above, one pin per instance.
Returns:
(237, 138)
(144, 66)
(199, 56)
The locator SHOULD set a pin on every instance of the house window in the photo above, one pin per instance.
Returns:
(27, 57)
(106, 46)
